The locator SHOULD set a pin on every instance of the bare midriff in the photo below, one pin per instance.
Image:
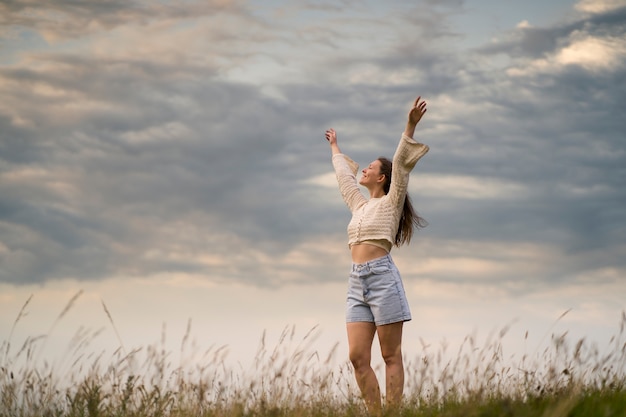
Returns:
(363, 252)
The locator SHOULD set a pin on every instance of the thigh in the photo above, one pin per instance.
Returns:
(360, 338)
(390, 338)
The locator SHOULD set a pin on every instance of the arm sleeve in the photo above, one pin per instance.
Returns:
(407, 154)
(345, 170)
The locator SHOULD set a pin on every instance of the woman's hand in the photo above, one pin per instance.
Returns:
(415, 115)
(331, 136)
(417, 111)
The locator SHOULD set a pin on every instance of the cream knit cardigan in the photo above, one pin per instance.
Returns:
(377, 218)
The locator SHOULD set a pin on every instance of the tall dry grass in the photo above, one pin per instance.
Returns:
(291, 378)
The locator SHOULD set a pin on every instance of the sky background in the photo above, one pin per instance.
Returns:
(168, 160)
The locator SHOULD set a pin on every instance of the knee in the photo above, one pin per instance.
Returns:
(360, 359)
(392, 357)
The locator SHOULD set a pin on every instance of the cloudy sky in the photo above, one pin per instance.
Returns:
(168, 159)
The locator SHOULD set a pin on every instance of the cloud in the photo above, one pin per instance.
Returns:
(590, 53)
(599, 6)
(187, 138)
(535, 42)
(57, 20)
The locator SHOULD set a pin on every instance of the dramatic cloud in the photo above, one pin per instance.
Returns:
(141, 138)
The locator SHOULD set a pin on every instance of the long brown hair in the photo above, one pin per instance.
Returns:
(409, 219)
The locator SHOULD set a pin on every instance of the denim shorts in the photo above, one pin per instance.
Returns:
(376, 293)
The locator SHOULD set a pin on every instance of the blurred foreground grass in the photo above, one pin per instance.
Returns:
(293, 379)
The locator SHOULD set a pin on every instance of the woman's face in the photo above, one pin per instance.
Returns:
(371, 174)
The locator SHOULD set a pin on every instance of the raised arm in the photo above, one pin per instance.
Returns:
(407, 154)
(345, 170)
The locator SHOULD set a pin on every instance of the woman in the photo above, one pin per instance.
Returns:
(376, 301)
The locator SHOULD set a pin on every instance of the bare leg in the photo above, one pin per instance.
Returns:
(390, 337)
(360, 338)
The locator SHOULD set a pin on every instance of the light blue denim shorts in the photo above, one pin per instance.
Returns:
(376, 293)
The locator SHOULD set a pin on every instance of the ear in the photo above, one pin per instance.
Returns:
(381, 178)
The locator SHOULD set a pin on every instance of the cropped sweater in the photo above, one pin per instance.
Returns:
(376, 220)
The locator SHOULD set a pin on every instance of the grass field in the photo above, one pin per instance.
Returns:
(291, 378)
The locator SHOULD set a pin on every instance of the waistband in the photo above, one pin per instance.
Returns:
(371, 263)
